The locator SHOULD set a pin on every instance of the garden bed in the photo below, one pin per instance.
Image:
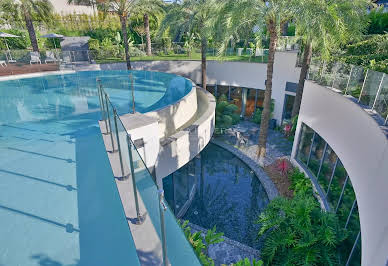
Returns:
(281, 181)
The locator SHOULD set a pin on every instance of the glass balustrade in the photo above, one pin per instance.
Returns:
(149, 199)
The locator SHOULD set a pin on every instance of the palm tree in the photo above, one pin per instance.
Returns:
(324, 26)
(123, 8)
(194, 16)
(269, 14)
(27, 11)
(153, 8)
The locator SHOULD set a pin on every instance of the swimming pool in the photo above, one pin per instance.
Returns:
(59, 203)
(218, 189)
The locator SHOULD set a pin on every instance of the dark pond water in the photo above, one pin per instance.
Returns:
(218, 189)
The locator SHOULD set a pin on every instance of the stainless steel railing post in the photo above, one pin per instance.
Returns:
(118, 142)
(100, 97)
(105, 112)
(348, 82)
(363, 85)
(378, 92)
(162, 209)
(139, 218)
(110, 126)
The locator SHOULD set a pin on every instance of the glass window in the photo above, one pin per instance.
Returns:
(288, 104)
(222, 90)
(211, 89)
(337, 183)
(260, 99)
(337, 188)
(327, 167)
(236, 97)
(250, 105)
(317, 150)
(305, 144)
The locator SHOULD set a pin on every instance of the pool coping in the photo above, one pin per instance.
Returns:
(267, 183)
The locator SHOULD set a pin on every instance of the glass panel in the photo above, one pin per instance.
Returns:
(337, 185)
(222, 90)
(235, 97)
(260, 99)
(288, 104)
(250, 104)
(356, 256)
(356, 81)
(317, 151)
(329, 70)
(305, 143)
(147, 190)
(346, 203)
(315, 69)
(371, 86)
(352, 231)
(381, 105)
(327, 168)
(342, 76)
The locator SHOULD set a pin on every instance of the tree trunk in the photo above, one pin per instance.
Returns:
(31, 30)
(148, 35)
(123, 20)
(203, 61)
(307, 53)
(266, 115)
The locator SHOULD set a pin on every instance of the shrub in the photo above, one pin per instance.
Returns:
(299, 182)
(257, 116)
(201, 245)
(378, 21)
(226, 115)
(298, 231)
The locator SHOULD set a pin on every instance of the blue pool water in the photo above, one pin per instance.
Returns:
(226, 194)
(59, 204)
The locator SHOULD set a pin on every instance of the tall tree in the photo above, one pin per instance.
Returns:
(28, 11)
(194, 16)
(264, 14)
(154, 9)
(123, 8)
(324, 26)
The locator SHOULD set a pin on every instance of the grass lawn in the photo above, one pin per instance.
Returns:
(194, 57)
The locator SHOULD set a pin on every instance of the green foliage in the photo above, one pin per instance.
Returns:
(212, 237)
(226, 115)
(200, 244)
(15, 43)
(371, 53)
(378, 21)
(256, 118)
(300, 183)
(247, 262)
(299, 232)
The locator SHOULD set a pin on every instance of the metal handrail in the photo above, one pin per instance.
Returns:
(131, 147)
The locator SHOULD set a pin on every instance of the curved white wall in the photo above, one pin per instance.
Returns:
(174, 116)
(363, 149)
(239, 74)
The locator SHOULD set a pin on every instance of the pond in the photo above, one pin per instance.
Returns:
(218, 189)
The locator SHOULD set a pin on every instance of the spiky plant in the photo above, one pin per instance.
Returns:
(298, 232)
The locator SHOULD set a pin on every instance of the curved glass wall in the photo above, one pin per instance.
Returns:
(335, 188)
